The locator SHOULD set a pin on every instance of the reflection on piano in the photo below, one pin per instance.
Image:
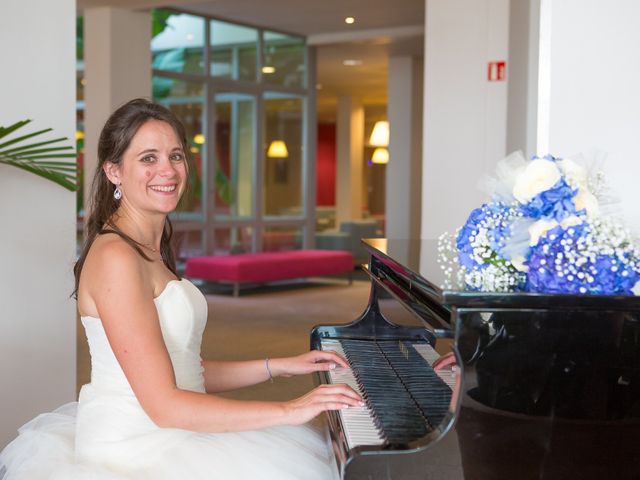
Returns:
(549, 384)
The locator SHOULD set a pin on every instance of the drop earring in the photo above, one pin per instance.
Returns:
(117, 193)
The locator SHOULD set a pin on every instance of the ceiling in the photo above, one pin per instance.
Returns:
(381, 28)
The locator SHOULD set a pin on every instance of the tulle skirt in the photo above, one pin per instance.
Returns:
(46, 449)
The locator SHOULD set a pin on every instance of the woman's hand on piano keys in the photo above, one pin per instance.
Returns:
(449, 362)
(320, 399)
(446, 360)
(313, 361)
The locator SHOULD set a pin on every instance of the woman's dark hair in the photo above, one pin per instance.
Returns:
(115, 138)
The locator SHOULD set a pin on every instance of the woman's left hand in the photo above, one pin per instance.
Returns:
(313, 361)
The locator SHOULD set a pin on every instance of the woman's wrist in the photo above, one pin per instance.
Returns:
(267, 367)
(275, 368)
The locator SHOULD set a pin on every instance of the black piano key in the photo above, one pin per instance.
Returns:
(396, 413)
(432, 395)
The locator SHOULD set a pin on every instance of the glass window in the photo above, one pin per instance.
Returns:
(275, 239)
(233, 51)
(284, 60)
(186, 100)
(177, 43)
(233, 240)
(283, 165)
(234, 155)
(188, 243)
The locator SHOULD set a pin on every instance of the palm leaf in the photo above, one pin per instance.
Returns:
(32, 158)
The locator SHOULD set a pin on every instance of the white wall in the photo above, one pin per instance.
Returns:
(404, 171)
(594, 87)
(465, 115)
(37, 217)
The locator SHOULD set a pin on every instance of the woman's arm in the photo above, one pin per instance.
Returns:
(123, 296)
(223, 376)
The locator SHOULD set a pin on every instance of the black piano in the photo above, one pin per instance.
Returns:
(547, 387)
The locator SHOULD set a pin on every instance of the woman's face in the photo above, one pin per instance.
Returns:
(153, 172)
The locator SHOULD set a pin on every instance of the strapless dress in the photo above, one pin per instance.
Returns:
(107, 435)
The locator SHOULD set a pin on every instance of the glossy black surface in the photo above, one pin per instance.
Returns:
(550, 384)
(416, 262)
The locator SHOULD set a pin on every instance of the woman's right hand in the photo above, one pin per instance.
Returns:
(320, 399)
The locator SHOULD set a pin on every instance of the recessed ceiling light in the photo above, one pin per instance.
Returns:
(349, 20)
(351, 62)
(268, 69)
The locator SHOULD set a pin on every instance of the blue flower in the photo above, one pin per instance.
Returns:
(566, 261)
(468, 231)
(555, 203)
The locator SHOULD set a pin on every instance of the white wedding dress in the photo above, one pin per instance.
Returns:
(107, 435)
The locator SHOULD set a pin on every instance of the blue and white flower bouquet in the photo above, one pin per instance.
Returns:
(542, 231)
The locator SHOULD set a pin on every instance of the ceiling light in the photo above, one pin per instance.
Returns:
(380, 156)
(349, 20)
(189, 37)
(351, 62)
(268, 69)
(198, 138)
(277, 149)
(380, 135)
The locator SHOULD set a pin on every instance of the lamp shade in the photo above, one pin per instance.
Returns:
(277, 149)
(380, 156)
(380, 135)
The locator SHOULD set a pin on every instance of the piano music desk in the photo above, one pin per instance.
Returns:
(266, 267)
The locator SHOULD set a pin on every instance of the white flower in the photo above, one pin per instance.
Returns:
(576, 174)
(636, 289)
(539, 175)
(518, 263)
(540, 228)
(570, 221)
(584, 199)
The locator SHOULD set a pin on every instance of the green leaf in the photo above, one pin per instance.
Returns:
(37, 160)
(34, 145)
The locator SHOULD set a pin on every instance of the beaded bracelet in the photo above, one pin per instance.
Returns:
(266, 363)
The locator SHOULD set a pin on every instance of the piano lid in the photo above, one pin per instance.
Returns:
(415, 260)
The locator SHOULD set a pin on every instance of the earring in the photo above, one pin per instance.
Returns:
(117, 193)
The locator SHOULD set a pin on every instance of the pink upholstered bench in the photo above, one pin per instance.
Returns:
(269, 266)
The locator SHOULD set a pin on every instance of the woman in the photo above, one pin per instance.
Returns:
(150, 410)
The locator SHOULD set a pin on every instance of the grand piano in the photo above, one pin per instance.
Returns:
(546, 387)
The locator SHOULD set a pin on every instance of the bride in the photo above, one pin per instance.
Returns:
(151, 409)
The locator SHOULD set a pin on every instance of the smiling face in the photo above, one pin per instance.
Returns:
(152, 173)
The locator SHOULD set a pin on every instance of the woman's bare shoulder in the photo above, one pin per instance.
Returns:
(110, 261)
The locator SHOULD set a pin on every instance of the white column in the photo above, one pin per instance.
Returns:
(522, 108)
(591, 72)
(465, 115)
(349, 159)
(404, 170)
(117, 63)
(37, 244)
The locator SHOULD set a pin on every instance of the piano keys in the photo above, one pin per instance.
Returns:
(403, 396)
(549, 385)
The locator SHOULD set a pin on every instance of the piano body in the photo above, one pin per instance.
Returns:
(548, 387)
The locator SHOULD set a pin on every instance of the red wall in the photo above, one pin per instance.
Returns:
(326, 165)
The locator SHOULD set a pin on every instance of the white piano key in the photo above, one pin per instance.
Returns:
(358, 422)
(427, 352)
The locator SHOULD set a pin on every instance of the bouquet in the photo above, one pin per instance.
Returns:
(542, 231)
